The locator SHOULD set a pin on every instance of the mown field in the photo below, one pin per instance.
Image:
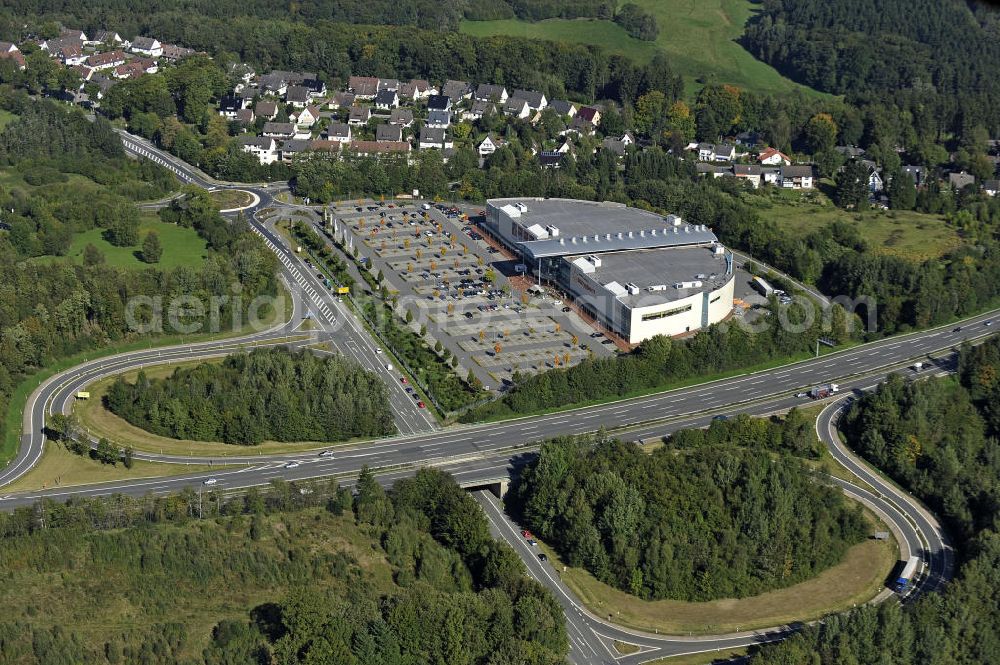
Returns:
(698, 35)
(181, 247)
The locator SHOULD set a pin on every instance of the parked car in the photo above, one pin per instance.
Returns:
(421, 405)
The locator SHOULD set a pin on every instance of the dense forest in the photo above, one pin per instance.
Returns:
(938, 438)
(50, 310)
(428, 14)
(692, 524)
(269, 394)
(935, 60)
(285, 575)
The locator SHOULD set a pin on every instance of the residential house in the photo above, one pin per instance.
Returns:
(550, 159)
(615, 146)
(107, 37)
(478, 110)
(590, 114)
(108, 60)
(359, 115)
(71, 55)
(517, 108)
(434, 137)
(53, 46)
(566, 148)
(563, 108)
(438, 118)
(580, 125)
(875, 182)
(363, 87)
(961, 180)
(850, 151)
(416, 89)
(229, 105)
(771, 175)
(706, 152)
(439, 103)
(245, 117)
(175, 52)
(266, 109)
(339, 132)
(307, 117)
(752, 173)
(78, 36)
(274, 83)
(388, 133)
(147, 46)
(401, 117)
(387, 99)
(536, 100)
(725, 153)
(457, 90)
(918, 173)
(261, 147)
(392, 85)
(991, 187)
(83, 72)
(315, 87)
(377, 148)
(10, 51)
(491, 93)
(297, 96)
(319, 145)
(772, 157)
(279, 130)
(293, 147)
(135, 68)
(341, 100)
(489, 146)
(704, 168)
(797, 177)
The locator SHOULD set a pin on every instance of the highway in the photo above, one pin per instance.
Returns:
(487, 452)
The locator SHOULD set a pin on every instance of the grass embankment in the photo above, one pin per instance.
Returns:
(855, 580)
(59, 467)
(903, 233)
(227, 199)
(6, 117)
(19, 397)
(698, 36)
(181, 247)
(100, 422)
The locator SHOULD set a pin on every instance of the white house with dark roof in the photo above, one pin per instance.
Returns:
(339, 132)
(386, 99)
(799, 176)
(401, 117)
(434, 138)
(438, 118)
(517, 108)
(262, 147)
(386, 132)
(491, 93)
(477, 110)
(536, 100)
(359, 115)
(564, 108)
(489, 145)
(147, 46)
(297, 96)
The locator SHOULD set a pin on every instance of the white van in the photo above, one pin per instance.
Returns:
(388, 366)
(426, 206)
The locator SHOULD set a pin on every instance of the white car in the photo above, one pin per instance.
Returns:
(210, 481)
(292, 465)
(378, 349)
(326, 453)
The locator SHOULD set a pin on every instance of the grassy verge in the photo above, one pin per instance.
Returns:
(100, 422)
(855, 580)
(227, 199)
(606, 34)
(707, 658)
(181, 247)
(59, 467)
(19, 397)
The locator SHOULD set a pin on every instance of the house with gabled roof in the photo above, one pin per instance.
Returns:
(147, 46)
(491, 93)
(297, 96)
(266, 109)
(9, 51)
(536, 100)
(386, 132)
(590, 114)
(338, 131)
(363, 87)
(456, 89)
(263, 148)
(359, 115)
(386, 99)
(434, 138)
(517, 108)
(489, 145)
(401, 117)
(773, 157)
(563, 108)
(438, 118)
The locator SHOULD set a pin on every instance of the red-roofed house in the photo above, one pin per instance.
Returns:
(106, 60)
(772, 157)
(10, 51)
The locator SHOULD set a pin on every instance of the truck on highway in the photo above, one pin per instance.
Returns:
(824, 391)
(907, 574)
(762, 287)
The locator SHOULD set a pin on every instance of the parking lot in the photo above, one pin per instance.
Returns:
(456, 284)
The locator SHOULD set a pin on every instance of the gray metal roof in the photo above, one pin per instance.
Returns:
(664, 267)
(589, 227)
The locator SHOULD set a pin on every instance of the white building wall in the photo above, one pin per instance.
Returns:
(682, 322)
